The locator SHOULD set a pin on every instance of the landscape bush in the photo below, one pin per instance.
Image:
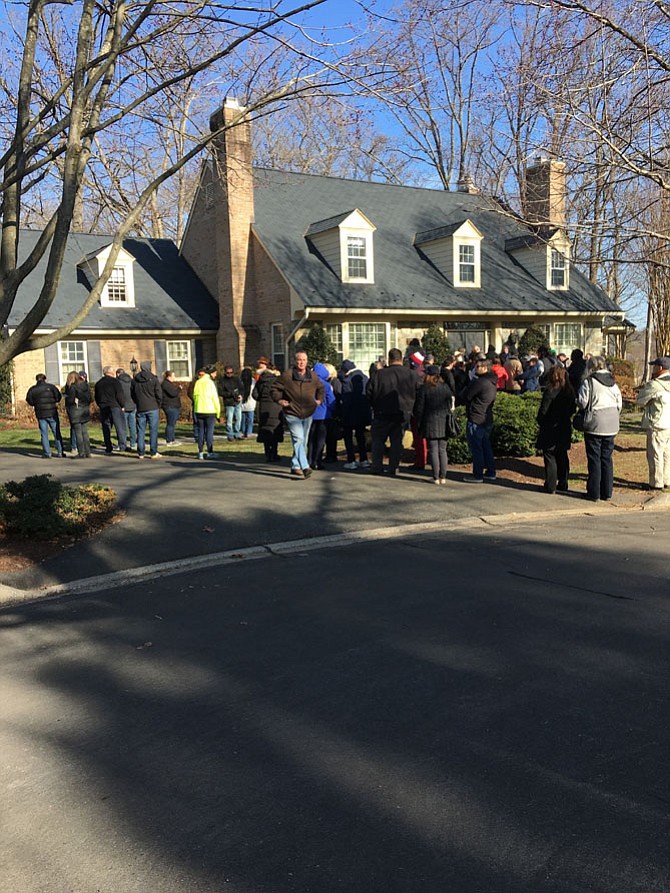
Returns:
(514, 428)
(40, 507)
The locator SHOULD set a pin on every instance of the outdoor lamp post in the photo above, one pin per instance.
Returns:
(134, 366)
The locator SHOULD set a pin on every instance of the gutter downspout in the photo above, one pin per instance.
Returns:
(291, 334)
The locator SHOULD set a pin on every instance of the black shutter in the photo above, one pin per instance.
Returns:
(160, 355)
(52, 370)
(94, 361)
(198, 354)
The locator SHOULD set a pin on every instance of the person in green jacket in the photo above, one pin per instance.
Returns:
(206, 409)
(655, 398)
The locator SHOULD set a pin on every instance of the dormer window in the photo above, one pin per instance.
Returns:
(558, 269)
(119, 290)
(345, 244)
(466, 264)
(116, 286)
(357, 267)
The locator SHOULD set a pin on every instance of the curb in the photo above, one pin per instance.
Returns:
(12, 597)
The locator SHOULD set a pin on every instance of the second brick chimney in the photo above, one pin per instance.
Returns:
(545, 192)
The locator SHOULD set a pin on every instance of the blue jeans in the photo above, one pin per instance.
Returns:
(131, 426)
(171, 416)
(54, 423)
(204, 425)
(151, 416)
(113, 416)
(299, 431)
(233, 420)
(479, 441)
(247, 427)
(600, 479)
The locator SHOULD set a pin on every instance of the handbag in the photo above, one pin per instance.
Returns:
(584, 418)
(453, 426)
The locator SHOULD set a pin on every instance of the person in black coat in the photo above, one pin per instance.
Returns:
(78, 407)
(270, 415)
(479, 397)
(555, 436)
(44, 397)
(355, 413)
(433, 405)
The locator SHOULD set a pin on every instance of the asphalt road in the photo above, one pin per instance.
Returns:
(479, 712)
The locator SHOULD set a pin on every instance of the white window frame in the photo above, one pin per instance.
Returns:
(83, 364)
(129, 288)
(473, 244)
(172, 360)
(277, 329)
(561, 345)
(563, 267)
(367, 256)
(335, 333)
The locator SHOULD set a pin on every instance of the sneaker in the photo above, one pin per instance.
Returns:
(350, 465)
(437, 481)
(307, 472)
(443, 481)
(211, 455)
(472, 480)
(490, 477)
(155, 456)
(363, 464)
(201, 455)
(140, 455)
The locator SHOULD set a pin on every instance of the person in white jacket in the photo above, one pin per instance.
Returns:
(602, 394)
(655, 398)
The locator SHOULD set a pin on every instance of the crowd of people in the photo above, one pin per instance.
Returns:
(319, 405)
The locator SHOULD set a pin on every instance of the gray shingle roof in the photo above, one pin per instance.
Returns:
(168, 294)
(287, 204)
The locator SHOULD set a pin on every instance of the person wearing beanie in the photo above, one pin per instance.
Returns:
(654, 397)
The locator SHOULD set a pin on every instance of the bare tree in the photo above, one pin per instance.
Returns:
(87, 70)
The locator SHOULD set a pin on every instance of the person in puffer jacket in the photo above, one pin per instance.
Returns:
(604, 396)
(317, 433)
(655, 398)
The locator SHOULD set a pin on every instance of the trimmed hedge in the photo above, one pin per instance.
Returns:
(40, 507)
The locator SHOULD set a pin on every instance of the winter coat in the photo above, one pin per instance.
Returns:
(43, 397)
(655, 397)
(555, 419)
(171, 395)
(514, 369)
(270, 415)
(302, 392)
(230, 390)
(354, 404)
(530, 379)
(606, 403)
(577, 373)
(78, 402)
(392, 391)
(479, 397)
(146, 389)
(109, 393)
(501, 376)
(206, 397)
(127, 384)
(326, 408)
(433, 405)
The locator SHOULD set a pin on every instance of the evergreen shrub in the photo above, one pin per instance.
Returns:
(319, 346)
(40, 507)
(435, 342)
(514, 428)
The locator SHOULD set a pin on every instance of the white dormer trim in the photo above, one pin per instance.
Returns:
(558, 264)
(119, 290)
(467, 256)
(346, 243)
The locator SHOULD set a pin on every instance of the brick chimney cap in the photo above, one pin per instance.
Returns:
(232, 102)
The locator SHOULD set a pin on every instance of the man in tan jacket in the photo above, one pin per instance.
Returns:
(655, 398)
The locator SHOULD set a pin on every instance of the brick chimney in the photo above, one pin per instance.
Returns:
(234, 204)
(545, 192)
(467, 184)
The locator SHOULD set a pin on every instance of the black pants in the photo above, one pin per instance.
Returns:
(383, 427)
(556, 469)
(113, 416)
(316, 443)
(359, 432)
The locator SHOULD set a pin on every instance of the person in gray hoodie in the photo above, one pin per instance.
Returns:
(129, 408)
(602, 394)
(147, 393)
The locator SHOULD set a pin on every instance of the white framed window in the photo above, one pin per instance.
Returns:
(71, 358)
(567, 337)
(178, 357)
(277, 342)
(357, 264)
(366, 342)
(119, 292)
(334, 332)
(466, 263)
(558, 270)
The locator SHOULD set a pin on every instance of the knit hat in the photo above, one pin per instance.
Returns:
(417, 358)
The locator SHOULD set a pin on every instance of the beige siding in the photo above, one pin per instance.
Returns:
(328, 245)
(441, 253)
(534, 261)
